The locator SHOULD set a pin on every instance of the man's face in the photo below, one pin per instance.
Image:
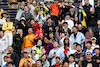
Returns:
(78, 48)
(98, 22)
(46, 40)
(8, 19)
(4, 15)
(56, 2)
(97, 51)
(86, 1)
(55, 44)
(10, 49)
(30, 31)
(26, 55)
(65, 25)
(88, 55)
(10, 65)
(26, 9)
(38, 64)
(71, 59)
(74, 29)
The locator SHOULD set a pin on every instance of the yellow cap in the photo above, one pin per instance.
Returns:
(26, 51)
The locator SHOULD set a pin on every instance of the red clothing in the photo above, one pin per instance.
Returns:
(38, 30)
(65, 51)
(57, 65)
(55, 9)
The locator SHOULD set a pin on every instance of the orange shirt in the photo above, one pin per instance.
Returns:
(28, 41)
(22, 62)
(55, 9)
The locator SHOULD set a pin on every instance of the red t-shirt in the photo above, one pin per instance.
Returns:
(57, 65)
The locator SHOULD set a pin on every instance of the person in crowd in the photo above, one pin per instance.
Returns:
(56, 51)
(94, 45)
(89, 48)
(34, 56)
(43, 51)
(39, 28)
(96, 57)
(40, 17)
(10, 64)
(66, 30)
(72, 63)
(82, 29)
(26, 61)
(1, 11)
(20, 10)
(49, 26)
(28, 41)
(76, 21)
(58, 64)
(48, 3)
(92, 22)
(96, 31)
(66, 64)
(27, 15)
(54, 9)
(89, 62)
(14, 56)
(9, 60)
(42, 7)
(72, 12)
(77, 36)
(18, 41)
(97, 9)
(48, 46)
(38, 63)
(87, 6)
(64, 9)
(33, 9)
(90, 1)
(7, 28)
(38, 48)
(3, 47)
(3, 19)
(51, 36)
(79, 55)
(32, 25)
(69, 21)
(82, 16)
(22, 25)
(45, 62)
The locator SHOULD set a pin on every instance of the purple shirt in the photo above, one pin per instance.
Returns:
(48, 47)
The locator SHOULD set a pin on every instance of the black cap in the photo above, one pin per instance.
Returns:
(65, 23)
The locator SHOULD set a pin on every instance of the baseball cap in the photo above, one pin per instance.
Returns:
(93, 38)
(7, 16)
(23, 19)
(71, 1)
(72, 6)
(26, 51)
(65, 23)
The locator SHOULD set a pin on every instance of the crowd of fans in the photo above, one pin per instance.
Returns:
(51, 33)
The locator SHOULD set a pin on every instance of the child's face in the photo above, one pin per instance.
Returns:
(57, 60)
(97, 51)
(71, 59)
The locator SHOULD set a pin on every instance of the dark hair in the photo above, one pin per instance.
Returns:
(75, 27)
(78, 45)
(75, 43)
(10, 63)
(47, 37)
(49, 18)
(72, 55)
(65, 43)
(89, 42)
(39, 60)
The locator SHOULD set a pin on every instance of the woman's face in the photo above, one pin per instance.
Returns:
(43, 57)
(66, 41)
(40, 25)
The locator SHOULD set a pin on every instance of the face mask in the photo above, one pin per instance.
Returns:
(79, 10)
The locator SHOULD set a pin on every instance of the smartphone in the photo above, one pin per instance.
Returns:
(54, 52)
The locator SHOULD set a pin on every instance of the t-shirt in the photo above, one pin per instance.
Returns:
(85, 62)
(15, 58)
(0, 44)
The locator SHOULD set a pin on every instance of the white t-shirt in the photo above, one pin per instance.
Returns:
(73, 65)
(0, 44)
(94, 46)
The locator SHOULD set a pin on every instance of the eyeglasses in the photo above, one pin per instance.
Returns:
(88, 54)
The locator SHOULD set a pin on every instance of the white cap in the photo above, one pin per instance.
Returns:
(93, 38)
(23, 18)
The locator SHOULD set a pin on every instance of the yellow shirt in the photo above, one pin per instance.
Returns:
(7, 27)
(22, 62)
(1, 11)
